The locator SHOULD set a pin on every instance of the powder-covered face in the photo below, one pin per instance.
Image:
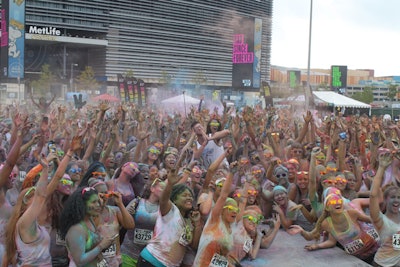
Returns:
(334, 203)
(393, 201)
(302, 180)
(280, 197)
(93, 207)
(230, 211)
(184, 201)
(65, 185)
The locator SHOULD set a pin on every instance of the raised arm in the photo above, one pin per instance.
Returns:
(27, 223)
(385, 160)
(219, 205)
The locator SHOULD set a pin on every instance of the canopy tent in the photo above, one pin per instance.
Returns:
(332, 99)
(181, 103)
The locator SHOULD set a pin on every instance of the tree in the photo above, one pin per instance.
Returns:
(86, 80)
(43, 84)
(365, 96)
(129, 74)
(391, 94)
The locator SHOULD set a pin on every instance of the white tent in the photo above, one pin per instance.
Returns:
(180, 103)
(338, 100)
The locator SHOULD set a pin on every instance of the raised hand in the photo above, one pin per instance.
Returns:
(308, 117)
(76, 143)
(173, 177)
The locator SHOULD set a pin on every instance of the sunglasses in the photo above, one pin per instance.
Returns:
(96, 174)
(252, 192)
(216, 124)
(244, 161)
(341, 180)
(154, 151)
(298, 151)
(157, 180)
(256, 171)
(255, 220)
(73, 170)
(320, 157)
(87, 189)
(329, 182)
(277, 134)
(302, 172)
(237, 195)
(231, 208)
(331, 169)
(109, 194)
(66, 181)
(220, 184)
(335, 202)
(159, 145)
(196, 170)
(60, 153)
(25, 199)
(283, 175)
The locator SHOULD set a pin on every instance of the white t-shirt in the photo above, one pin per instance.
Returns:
(168, 242)
(387, 254)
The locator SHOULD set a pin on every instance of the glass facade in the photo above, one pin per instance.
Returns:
(181, 38)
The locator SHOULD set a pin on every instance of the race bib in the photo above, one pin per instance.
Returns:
(142, 236)
(186, 236)
(102, 263)
(218, 261)
(183, 240)
(353, 247)
(374, 234)
(396, 241)
(248, 245)
(59, 240)
(111, 251)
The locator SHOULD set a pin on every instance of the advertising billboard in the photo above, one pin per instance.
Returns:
(246, 54)
(338, 77)
(16, 38)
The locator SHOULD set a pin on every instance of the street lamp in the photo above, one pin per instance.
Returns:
(71, 81)
(308, 91)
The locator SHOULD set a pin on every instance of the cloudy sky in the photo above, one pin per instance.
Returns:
(362, 34)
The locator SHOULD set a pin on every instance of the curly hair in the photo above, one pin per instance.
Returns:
(88, 174)
(75, 209)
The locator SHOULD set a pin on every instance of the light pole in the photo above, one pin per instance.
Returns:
(71, 81)
(308, 91)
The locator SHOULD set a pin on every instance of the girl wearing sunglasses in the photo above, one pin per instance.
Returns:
(217, 239)
(111, 219)
(26, 239)
(343, 226)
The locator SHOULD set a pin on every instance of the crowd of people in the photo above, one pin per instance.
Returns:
(121, 185)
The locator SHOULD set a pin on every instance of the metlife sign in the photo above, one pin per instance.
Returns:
(44, 30)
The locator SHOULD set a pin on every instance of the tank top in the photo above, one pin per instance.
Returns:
(36, 253)
(215, 243)
(354, 241)
(145, 220)
(92, 239)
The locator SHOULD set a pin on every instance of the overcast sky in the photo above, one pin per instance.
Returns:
(362, 34)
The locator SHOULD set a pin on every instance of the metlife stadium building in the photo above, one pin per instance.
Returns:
(222, 44)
